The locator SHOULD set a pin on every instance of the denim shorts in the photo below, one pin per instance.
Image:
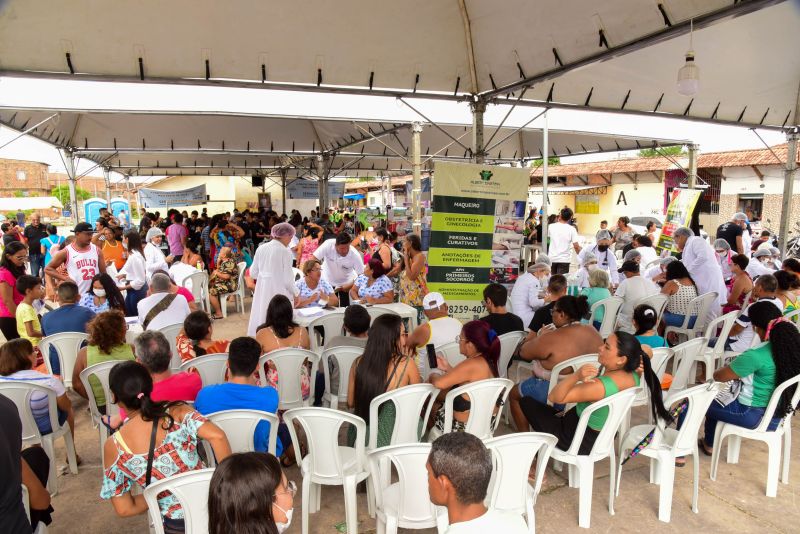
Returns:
(535, 388)
(673, 319)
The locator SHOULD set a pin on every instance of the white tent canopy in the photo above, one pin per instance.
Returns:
(147, 143)
(620, 55)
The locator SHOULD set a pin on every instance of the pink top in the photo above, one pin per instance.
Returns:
(186, 294)
(175, 234)
(7, 277)
(178, 387)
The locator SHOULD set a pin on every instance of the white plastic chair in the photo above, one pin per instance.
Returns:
(332, 325)
(611, 305)
(684, 357)
(512, 456)
(345, 356)
(700, 307)
(327, 462)
(171, 332)
(573, 364)
(197, 283)
(191, 490)
(298, 274)
(67, 345)
(409, 402)
(581, 467)
(658, 301)
(378, 310)
(41, 528)
(240, 427)
(289, 363)
(483, 395)
(713, 356)
(210, 367)
(238, 295)
(405, 503)
(101, 372)
(508, 343)
(451, 352)
(772, 438)
(20, 392)
(669, 443)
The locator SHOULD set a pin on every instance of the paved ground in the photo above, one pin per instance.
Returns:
(735, 502)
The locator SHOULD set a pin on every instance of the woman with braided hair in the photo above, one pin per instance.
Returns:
(761, 369)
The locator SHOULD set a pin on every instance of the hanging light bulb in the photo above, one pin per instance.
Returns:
(689, 74)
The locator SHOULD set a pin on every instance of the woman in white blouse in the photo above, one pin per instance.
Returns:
(134, 273)
(154, 259)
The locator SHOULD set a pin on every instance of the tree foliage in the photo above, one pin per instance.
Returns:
(61, 192)
(668, 150)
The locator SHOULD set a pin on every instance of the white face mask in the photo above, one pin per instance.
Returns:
(283, 527)
(766, 261)
(591, 267)
(100, 293)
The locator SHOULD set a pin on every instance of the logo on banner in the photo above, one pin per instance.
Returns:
(486, 175)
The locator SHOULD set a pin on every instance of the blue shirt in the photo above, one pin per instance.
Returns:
(66, 318)
(228, 396)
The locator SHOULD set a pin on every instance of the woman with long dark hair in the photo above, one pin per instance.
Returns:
(178, 431)
(386, 364)
(279, 331)
(620, 356)
(681, 290)
(12, 266)
(196, 338)
(134, 273)
(761, 368)
(250, 494)
(103, 295)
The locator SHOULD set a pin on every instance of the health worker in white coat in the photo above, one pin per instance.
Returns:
(700, 260)
(272, 272)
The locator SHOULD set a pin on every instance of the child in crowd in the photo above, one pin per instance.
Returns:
(28, 325)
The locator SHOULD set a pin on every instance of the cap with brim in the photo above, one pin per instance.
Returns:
(629, 267)
(761, 253)
(82, 227)
(432, 301)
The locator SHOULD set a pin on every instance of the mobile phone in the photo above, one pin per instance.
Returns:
(432, 363)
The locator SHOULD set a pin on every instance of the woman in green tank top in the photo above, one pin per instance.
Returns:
(621, 360)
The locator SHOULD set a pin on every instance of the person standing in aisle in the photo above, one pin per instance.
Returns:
(272, 272)
(562, 235)
(82, 258)
(34, 233)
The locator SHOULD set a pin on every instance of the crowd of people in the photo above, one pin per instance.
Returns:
(104, 273)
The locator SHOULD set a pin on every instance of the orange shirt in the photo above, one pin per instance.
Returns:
(115, 253)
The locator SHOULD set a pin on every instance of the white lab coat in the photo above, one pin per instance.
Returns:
(701, 262)
(272, 271)
(525, 297)
(154, 260)
(605, 260)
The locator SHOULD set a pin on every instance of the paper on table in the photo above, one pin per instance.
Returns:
(309, 311)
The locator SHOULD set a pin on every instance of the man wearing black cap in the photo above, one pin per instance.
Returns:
(631, 289)
(83, 259)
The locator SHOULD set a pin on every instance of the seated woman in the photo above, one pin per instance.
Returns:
(481, 347)
(178, 431)
(250, 493)
(224, 279)
(17, 359)
(314, 291)
(644, 321)
(373, 287)
(681, 289)
(788, 286)
(599, 289)
(566, 339)
(760, 369)
(106, 343)
(279, 331)
(196, 338)
(740, 285)
(589, 265)
(619, 357)
(190, 257)
(103, 295)
(383, 367)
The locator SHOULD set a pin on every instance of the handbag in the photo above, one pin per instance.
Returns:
(729, 393)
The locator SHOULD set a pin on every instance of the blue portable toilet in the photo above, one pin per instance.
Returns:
(118, 204)
(91, 209)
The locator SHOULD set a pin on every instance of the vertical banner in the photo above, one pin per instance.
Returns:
(476, 232)
(679, 213)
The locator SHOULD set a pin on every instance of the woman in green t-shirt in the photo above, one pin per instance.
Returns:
(761, 369)
(620, 357)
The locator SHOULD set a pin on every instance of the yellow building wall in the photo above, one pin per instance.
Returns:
(641, 199)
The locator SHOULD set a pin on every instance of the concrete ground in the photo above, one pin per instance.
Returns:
(734, 503)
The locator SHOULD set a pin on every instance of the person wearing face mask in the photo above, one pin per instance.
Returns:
(777, 264)
(588, 264)
(103, 295)
(724, 254)
(250, 493)
(606, 260)
(760, 264)
(525, 295)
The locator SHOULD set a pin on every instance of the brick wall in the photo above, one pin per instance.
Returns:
(34, 175)
(772, 209)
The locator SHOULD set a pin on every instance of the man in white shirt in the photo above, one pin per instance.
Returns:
(602, 250)
(525, 299)
(633, 288)
(701, 261)
(562, 235)
(155, 314)
(648, 253)
(459, 470)
(760, 264)
(440, 329)
(341, 264)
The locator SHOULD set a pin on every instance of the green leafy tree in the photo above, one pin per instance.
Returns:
(61, 192)
(668, 150)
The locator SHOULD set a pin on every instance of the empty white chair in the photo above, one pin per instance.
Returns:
(451, 352)
(345, 357)
(198, 285)
(171, 332)
(191, 490)
(328, 463)
(101, 372)
(668, 444)
(771, 438)
(210, 367)
(699, 307)
(712, 356)
(67, 345)
(240, 427)
(409, 402)
(20, 392)
(331, 325)
(684, 357)
(289, 363)
(658, 302)
(611, 307)
(405, 503)
(512, 457)
(237, 295)
(583, 465)
(485, 397)
(508, 343)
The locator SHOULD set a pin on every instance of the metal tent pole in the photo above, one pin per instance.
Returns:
(69, 164)
(545, 150)
(788, 187)
(478, 108)
(284, 172)
(692, 178)
(416, 189)
(323, 162)
(107, 179)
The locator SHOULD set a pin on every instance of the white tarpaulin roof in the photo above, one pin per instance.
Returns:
(150, 143)
(29, 203)
(611, 55)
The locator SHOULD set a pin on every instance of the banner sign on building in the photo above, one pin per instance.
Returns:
(679, 213)
(156, 198)
(587, 204)
(309, 190)
(476, 232)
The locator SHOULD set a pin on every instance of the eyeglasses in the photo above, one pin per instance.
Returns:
(291, 489)
(21, 258)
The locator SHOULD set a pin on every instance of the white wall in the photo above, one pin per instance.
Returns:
(738, 180)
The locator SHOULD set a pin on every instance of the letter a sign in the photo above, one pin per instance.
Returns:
(621, 198)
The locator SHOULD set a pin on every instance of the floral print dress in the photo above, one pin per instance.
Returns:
(218, 286)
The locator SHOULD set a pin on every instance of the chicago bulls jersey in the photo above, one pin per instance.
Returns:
(82, 266)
